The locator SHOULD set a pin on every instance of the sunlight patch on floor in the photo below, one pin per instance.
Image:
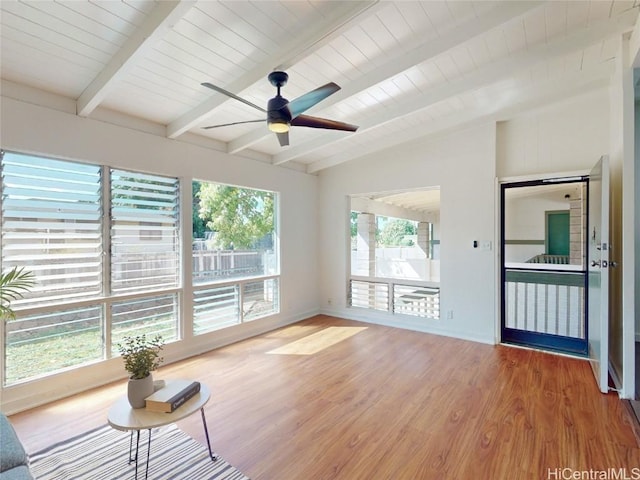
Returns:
(317, 341)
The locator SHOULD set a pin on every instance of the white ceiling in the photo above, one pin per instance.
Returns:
(406, 68)
(420, 205)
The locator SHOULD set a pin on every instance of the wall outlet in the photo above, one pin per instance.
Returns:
(449, 314)
(329, 301)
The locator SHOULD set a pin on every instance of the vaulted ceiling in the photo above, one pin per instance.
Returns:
(407, 68)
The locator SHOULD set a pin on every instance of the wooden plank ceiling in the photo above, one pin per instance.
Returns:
(406, 68)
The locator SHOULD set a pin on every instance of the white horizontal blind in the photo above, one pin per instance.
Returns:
(145, 249)
(51, 225)
(151, 316)
(50, 341)
(416, 300)
(369, 295)
(215, 308)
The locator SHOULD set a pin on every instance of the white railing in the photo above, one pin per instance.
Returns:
(545, 302)
(406, 297)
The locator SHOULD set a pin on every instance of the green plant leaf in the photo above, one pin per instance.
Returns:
(13, 285)
(141, 355)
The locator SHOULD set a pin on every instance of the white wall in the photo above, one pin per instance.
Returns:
(29, 128)
(463, 165)
(569, 136)
(564, 137)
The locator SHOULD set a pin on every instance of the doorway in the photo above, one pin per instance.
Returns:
(558, 233)
(544, 277)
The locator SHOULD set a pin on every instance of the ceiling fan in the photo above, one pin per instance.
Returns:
(282, 114)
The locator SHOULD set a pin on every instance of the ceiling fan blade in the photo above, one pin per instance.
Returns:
(283, 138)
(309, 99)
(234, 123)
(317, 122)
(232, 95)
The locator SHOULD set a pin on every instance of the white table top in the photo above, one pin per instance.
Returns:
(123, 417)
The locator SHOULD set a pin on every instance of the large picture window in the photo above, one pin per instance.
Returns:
(235, 255)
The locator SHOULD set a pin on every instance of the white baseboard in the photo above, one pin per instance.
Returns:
(417, 324)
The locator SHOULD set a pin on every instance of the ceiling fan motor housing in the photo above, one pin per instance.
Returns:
(278, 111)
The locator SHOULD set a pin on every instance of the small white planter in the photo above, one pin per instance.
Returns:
(138, 390)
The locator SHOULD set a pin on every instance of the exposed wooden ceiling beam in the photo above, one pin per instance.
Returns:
(419, 54)
(553, 90)
(486, 75)
(342, 16)
(160, 20)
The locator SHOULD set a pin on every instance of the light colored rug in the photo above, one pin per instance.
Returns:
(103, 454)
(317, 341)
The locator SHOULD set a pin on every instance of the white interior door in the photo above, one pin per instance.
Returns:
(598, 271)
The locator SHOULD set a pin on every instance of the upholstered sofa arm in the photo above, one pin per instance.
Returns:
(14, 463)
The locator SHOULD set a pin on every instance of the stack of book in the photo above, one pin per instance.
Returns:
(172, 395)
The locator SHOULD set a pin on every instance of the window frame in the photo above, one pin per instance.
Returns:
(385, 294)
(183, 291)
(239, 282)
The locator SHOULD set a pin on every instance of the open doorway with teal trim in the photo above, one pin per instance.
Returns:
(558, 232)
(544, 238)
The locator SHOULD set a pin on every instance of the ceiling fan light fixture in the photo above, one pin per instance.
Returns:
(278, 126)
(282, 114)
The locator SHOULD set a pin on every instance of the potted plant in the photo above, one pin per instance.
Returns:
(141, 356)
(13, 285)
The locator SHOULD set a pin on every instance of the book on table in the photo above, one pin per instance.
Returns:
(172, 395)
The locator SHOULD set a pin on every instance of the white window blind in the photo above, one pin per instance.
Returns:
(145, 249)
(154, 315)
(51, 225)
(215, 308)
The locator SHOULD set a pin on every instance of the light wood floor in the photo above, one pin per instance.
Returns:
(382, 404)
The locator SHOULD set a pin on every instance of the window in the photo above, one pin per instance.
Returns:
(215, 307)
(140, 261)
(50, 341)
(105, 247)
(150, 315)
(395, 264)
(53, 224)
(151, 231)
(235, 255)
